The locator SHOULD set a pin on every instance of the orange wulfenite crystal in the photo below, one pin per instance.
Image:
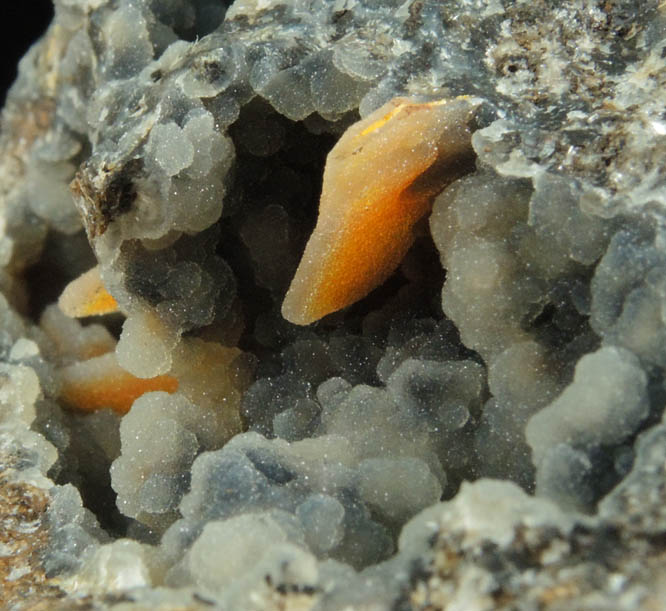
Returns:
(100, 382)
(86, 296)
(379, 181)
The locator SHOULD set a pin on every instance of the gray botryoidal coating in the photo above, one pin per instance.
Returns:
(484, 431)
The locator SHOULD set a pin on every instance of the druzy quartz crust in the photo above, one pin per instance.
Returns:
(327, 305)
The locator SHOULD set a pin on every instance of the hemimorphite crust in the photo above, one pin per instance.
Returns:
(379, 181)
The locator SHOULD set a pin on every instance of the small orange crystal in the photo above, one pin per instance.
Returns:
(100, 382)
(87, 296)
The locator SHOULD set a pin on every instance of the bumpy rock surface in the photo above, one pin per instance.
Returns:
(483, 431)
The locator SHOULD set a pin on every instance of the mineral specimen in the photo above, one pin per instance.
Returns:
(483, 428)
